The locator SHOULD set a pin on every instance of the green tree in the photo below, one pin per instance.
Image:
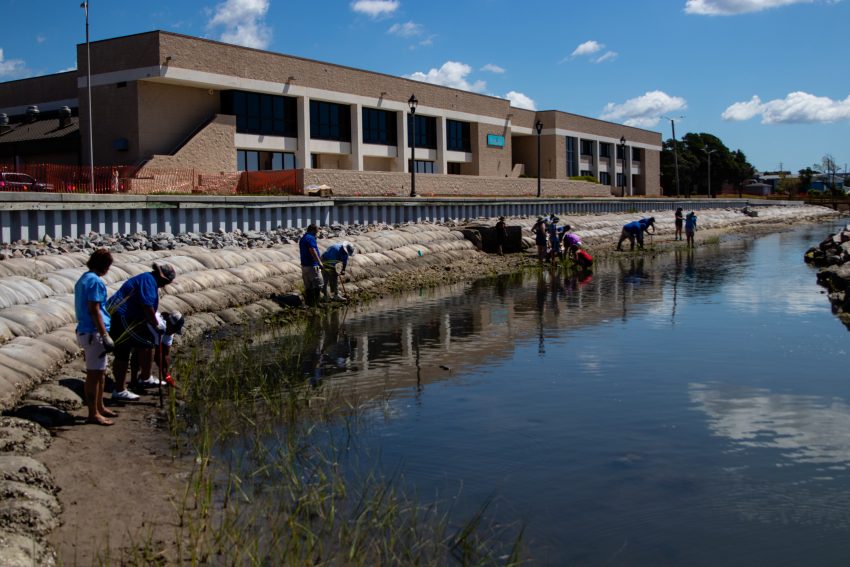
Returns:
(727, 166)
(806, 176)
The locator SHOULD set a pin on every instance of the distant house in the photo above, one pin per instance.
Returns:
(757, 188)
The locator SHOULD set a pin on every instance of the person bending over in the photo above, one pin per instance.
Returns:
(334, 257)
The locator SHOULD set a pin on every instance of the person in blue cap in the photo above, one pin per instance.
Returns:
(634, 232)
(311, 262)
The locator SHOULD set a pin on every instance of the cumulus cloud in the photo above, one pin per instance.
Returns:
(407, 29)
(796, 108)
(10, 67)
(734, 7)
(375, 8)
(243, 22)
(587, 48)
(644, 111)
(519, 100)
(452, 74)
(490, 68)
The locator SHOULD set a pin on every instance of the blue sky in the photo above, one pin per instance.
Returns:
(768, 77)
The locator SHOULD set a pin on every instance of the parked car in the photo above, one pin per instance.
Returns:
(22, 182)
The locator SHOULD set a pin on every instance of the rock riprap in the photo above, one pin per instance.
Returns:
(832, 256)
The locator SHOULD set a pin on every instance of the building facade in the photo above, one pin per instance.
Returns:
(172, 100)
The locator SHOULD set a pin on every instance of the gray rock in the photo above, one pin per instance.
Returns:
(18, 550)
(27, 470)
(12, 489)
(27, 517)
(43, 414)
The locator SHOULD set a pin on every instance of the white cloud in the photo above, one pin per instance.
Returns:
(375, 8)
(407, 29)
(40, 38)
(643, 111)
(451, 74)
(734, 7)
(608, 56)
(10, 67)
(519, 100)
(427, 41)
(587, 48)
(796, 108)
(489, 67)
(243, 22)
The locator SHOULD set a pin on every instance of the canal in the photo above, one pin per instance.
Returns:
(684, 408)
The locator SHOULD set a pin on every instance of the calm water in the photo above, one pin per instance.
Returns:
(682, 409)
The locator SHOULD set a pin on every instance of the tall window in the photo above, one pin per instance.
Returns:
(604, 178)
(426, 132)
(587, 148)
(572, 158)
(604, 150)
(620, 151)
(330, 121)
(258, 113)
(379, 127)
(457, 136)
(635, 154)
(250, 160)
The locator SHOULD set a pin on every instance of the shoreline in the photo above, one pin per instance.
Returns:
(127, 475)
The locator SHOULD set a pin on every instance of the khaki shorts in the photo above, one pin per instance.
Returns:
(95, 354)
(312, 276)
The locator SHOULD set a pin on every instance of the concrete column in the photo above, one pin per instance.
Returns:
(595, 166)
(442, 163)
(302, 156)
(401, 148)
(627, 165)
(356, 137)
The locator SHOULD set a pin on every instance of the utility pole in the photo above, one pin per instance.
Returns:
(675, 152)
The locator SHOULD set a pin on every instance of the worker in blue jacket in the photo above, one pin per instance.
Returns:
(634, 231)
(334, 258)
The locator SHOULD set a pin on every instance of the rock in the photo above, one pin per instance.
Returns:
(18, 550)
(22, 437)
(58, 396)
(27, 470)
(43, 414)
(27, 517)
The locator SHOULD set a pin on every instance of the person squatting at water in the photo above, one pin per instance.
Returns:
(501, 236)
(690, 227)
(335, 255)
(93, 323)
(540, 229)
(679, 221)
(133, 306)
(311, 261)
(634, 231)
(173, 323)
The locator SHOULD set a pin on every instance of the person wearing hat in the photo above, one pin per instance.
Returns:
(335, 256)
(161, 355)
(539, 229)
(634, 232)
(501, 236)
(134, 323)
(690, 228)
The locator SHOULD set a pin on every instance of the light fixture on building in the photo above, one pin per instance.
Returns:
(413, 103)
(539, 127)
(623, 184)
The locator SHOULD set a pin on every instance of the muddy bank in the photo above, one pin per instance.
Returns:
(120, 487)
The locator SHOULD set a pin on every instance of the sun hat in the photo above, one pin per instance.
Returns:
(164, 271)
(176, 321)
(349, 248)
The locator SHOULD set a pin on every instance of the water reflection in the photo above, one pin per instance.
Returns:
(806, 429)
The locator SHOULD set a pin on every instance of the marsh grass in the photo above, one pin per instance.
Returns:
(278, 479)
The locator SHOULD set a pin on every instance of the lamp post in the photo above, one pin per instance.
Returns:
(85, 6)
(675, 152)
(539, 127)
(412, 102)
(623, 149)
(709, 152)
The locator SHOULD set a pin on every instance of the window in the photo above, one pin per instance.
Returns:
(605, 150)
(635, 154)
(250, 160)
(426, 132)
(620, 179)
(604, 178)
(330, 121)
(423, 166)
(587, 148)
(454, 168)
(619, 151)
(379, 127)
(572, 158)
(457, 138)
(586, 173)
(261, 113)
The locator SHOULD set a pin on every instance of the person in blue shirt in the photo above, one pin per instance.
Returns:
(311, 261)
(634, 231)
(335, 256)
(134, 324)
(93, 324)
(554, 239)
(539, 229)
(690, 228)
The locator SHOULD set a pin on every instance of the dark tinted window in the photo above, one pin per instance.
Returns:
(330, 121)
(426, 132)
(379, 127)
(258, 113)
(457, 136)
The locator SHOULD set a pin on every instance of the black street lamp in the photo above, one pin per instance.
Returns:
(539, 127)
(85, 6)
(412, 102)
(623, 149)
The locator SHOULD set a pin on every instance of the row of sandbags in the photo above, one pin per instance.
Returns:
(37, 317)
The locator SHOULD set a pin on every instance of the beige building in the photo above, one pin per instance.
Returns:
(171, 100)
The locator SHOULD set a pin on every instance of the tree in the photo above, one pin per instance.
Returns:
(806, 176)
(726, 166)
